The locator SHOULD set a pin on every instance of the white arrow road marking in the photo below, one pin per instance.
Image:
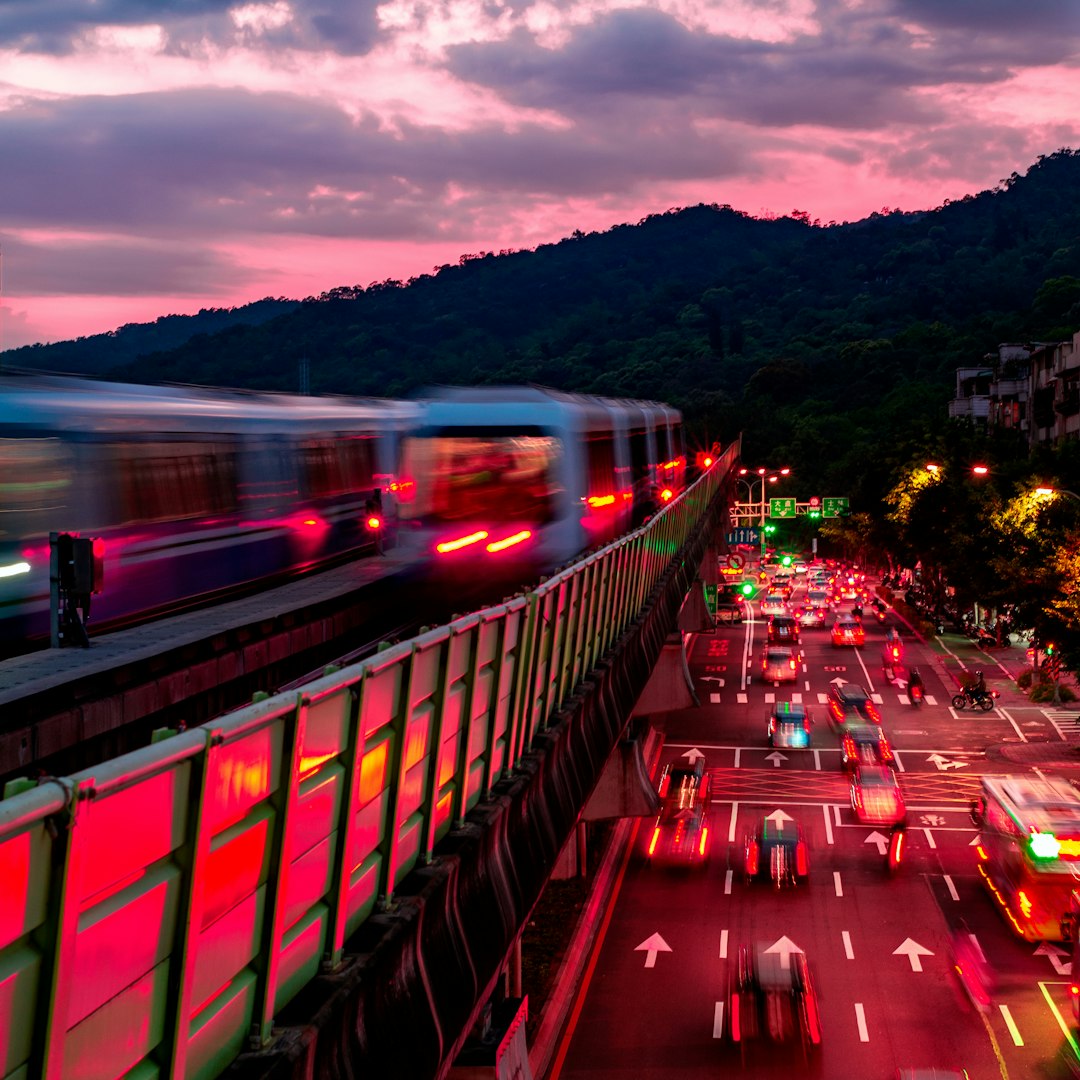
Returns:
(977, 840)
(913, 951)
(775, 757)
(784, 947)
(944, 764)
(1054, 954)
(693, 755)
(838, 681)
(712, 678)
(877, 838)
(778, 817)
(651, 946)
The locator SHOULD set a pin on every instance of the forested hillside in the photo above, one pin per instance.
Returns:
(827, 344)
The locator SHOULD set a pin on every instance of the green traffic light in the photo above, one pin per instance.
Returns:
(747, 588)
(786, 560)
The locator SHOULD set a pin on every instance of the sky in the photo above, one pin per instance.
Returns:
(162, 156)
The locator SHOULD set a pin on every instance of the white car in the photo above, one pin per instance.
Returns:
(774, 604)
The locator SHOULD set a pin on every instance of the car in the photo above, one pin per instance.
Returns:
(784, 582)
(876, 797)
(818, 598)
(865, 744)
(780, 663)
(771, 996)
(801, 568)
(850, 703)
(681, 830)
(775, 603)
(848, 632)
(789, 724)
(782, 630)
(776, 852)
(808, 616)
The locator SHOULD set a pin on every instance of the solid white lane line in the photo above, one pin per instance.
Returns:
(951, 887)
(718, 1021)
(849, 952)
(727, 882)
(837, 884)
(1010, 1023)
(860, 1019)
(1015, 725)
(896, 758)
(828, 824)
(723, 944)
(734, 821)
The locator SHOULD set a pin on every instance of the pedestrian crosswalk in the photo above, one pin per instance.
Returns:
(796, 697)
(1066, 721)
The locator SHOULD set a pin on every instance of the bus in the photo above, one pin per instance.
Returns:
(1029, 851)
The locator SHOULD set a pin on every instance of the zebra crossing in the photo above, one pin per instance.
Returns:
(797, 697)
(1066, 721)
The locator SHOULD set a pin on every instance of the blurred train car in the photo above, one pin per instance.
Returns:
(194, 493)
(509, 482)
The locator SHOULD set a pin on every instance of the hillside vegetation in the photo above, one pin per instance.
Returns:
(827, 345)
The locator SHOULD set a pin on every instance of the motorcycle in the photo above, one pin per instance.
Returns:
(974, 699)
(915, 694)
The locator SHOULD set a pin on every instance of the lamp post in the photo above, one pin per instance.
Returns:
(770, 476)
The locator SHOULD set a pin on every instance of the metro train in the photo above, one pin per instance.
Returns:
(511, 482)
(194, 493)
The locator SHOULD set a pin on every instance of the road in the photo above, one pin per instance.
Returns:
(652, 1002)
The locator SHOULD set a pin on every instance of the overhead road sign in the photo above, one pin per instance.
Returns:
(743, 536)
(833, 507)
(782, 508)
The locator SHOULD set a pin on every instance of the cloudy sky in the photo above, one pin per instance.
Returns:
(159, 156)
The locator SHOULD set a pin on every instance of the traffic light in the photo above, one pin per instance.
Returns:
(1049, 649)
(748, 589)
(786, 560)
(770, 529)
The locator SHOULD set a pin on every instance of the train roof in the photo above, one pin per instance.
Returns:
(515, 404)
(74, 404)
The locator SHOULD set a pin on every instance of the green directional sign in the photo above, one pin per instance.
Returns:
(782, 508)
(833, 507)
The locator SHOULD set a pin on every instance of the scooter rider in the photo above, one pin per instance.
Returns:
(980, 684)
(915, 681)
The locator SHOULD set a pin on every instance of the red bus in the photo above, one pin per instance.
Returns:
(1029, 851)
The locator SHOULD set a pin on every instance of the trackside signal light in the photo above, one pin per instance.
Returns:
(597, 501)
(667, 495)
(373, 522)
(706, 461)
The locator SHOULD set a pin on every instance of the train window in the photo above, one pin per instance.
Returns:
(35, 477)
(639, 456)
(336, 466)
(169, 481)
(477, 474)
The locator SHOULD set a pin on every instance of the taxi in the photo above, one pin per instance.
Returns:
(771, 997)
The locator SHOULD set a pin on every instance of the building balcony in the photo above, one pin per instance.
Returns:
(976, 407)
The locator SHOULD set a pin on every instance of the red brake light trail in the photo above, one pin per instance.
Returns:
(655, 839)
(509, 541)
(597, 501)
(462, 541)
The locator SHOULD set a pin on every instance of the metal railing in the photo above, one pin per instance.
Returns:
(158, 911)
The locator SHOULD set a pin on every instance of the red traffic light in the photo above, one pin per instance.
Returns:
(373, 523)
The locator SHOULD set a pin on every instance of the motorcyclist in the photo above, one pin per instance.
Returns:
(915, 681)
(980, 684)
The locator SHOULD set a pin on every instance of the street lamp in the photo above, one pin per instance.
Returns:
(765, 476)
(1049, 491)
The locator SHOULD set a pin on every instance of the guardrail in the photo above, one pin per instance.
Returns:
(158, 911)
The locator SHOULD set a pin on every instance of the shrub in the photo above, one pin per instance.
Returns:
(1044, 692)
(1023, 680)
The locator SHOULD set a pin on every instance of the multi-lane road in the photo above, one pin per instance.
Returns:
(880, 946)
